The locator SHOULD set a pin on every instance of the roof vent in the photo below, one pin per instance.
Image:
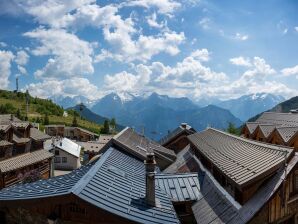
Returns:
(150, 178)
(184, 125)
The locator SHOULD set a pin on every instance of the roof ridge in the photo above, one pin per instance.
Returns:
(79, 186)
(272, 146)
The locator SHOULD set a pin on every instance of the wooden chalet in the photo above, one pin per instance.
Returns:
(21, 151)
(248, 129)
(284, 136)
(262, 132)
(177, 139)
(75, 133)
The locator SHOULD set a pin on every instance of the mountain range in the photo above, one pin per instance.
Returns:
(157, 114)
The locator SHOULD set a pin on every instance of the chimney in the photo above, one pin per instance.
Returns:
(150, 178)
(11, 117)
(184, 125)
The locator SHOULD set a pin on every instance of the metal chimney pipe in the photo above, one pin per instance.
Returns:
(150, 164)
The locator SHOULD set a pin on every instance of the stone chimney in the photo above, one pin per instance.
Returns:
(184, 125)
(150, 178)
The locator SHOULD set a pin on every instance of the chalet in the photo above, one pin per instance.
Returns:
(55, 130)
(262, 132)
(279, 119)
(285, 136)
(177, 139)
(38, 138)
(138, 145)
(75, 133)
(67, 154)
(117, 188)
(244, 180)
(249, 128)
(18, 154)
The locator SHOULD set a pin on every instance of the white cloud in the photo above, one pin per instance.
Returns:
(6, 58)
(296, 28)
(152, 21)
(2, 44)
(239, 36)
(205, 23)
(163, 7)
(201, 54)
(22, 57)
(290, 71)
(71, 56)
(241, 61)
(67, 87)
(22, 69)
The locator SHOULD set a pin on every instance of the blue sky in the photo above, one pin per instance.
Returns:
(194, 48)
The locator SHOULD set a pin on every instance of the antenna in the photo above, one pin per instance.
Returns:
(17, 84)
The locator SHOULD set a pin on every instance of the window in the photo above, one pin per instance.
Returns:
(64, 159)
(56, 152)
(57, 159)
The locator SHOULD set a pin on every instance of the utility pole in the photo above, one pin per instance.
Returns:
(27, 103)
(17, 84)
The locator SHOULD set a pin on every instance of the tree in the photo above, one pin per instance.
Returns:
(18, 114)
(106, 127)
(46, 120)
(113, 124)
(232, 129)
(74, 121)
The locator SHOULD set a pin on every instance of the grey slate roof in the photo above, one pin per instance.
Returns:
(115, 183)
(287, 133)
(24, 160)
(20, 124)
(283, 119)
(38, 135)
(180, 187)
(5, 143)
(17, 139)
(139, 145)
(175, 133)
(242, 160)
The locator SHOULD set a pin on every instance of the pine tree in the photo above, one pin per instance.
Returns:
(106, 127)
(113, 124)
(46, 120)
(232, 129)
(74, 121)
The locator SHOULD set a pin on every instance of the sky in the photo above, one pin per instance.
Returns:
(182, 48)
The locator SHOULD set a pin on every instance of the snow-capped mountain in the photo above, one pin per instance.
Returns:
(68, 101)
(248, 106)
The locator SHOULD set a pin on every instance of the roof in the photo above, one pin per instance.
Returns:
(24, 160)
(5, 143)
(115, 183)
(179, 187)
(139, 145)
(283, 119)
(68, 146)
(20, 124)
(54, 125)
(5, 127)
(104, 138)
(183, 128)
(82, 130)
(20, 140)
(251, 126)
(37, 135)
(243, 161)
(287, 133)
(267, 129)
(92, 146)
(6, 118)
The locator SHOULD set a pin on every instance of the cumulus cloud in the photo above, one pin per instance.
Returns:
(296, 28)
(239, 36)
(3, 44)
(241, 61)
(67, 87)
(205, 23)
(163, 7)
(152, 21)
(6, 58)
(70, 56)
(201, 54)
(290, 71)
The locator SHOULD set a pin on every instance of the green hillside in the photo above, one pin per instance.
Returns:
(15, 103)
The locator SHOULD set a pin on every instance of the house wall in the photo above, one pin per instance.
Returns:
(245, 132)
(276, 139)
(55, 131)
(72, 161)
(6, 151)
(259, 135)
